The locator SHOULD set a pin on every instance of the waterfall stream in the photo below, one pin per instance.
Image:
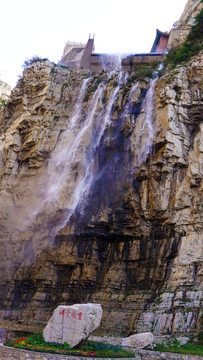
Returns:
(146, 133)
(71, 169)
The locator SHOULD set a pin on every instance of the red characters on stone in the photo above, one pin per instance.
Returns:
(62, 312)
(67, 313)
(73, 314)
(80, 316)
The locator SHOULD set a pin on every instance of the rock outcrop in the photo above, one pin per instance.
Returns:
(182, 27)
(139, 341)
(72, 324)
(5, 90)
(133, 239)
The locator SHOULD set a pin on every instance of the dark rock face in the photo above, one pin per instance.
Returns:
(133, 241)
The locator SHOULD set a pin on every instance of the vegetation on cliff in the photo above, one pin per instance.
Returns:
(192, 45)
(2, 102)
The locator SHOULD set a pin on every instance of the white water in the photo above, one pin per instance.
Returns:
(130, 97)
(82, 188)
(112, 62)
(147, 131)
(145, 134)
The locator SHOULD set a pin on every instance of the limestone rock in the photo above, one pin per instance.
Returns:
(5, 90)
(139, 341)
(72, 324)
(183, 340)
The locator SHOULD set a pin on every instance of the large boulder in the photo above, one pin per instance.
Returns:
(72, 324)
(139, 341)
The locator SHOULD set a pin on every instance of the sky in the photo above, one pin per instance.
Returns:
(42, 27)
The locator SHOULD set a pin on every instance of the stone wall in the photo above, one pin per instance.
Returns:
(11, 354)
(127, 63)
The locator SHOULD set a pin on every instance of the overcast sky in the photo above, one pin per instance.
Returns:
(42, 27)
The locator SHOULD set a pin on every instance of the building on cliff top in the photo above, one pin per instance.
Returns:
(77, 55)
(81, 55)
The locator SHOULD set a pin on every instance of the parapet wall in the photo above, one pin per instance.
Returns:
(99, 62)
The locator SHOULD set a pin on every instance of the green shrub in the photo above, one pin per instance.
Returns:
(2, 102)
(28, 62)
(180, 349)
(142, 71)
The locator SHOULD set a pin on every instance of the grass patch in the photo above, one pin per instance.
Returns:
(35, 342)
(191, 349)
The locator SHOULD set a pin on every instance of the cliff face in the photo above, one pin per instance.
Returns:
(182, 27)
(101, 197)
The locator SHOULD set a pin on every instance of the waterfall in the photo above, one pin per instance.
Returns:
(110, 62)
(70, 169)
(146, 132)
(96, 127)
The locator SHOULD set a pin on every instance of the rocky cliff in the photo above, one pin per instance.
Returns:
(101, 197)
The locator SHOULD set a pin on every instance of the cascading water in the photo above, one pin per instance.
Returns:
(146, 133)
(110, 62)
(70, 169)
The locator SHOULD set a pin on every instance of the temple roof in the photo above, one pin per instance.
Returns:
(159, 34)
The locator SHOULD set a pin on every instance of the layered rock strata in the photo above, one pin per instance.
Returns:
(134, 241)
